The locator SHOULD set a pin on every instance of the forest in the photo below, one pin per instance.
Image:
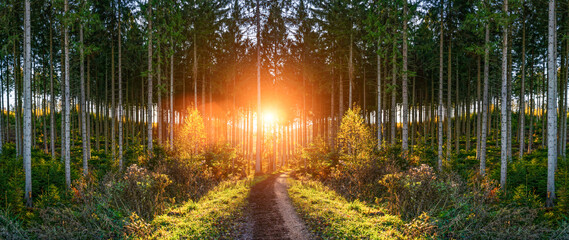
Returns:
(284, 119)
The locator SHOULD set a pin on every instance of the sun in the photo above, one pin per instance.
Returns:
(269, 117)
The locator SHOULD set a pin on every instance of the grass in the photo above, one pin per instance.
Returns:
(330, 216)
(212, 217)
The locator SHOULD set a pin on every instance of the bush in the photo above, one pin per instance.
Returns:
(415, 191)
(320, 159)
(144, 190)
(190, 139)
(355, 139)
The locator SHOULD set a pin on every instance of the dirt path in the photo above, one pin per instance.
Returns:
(271, 214)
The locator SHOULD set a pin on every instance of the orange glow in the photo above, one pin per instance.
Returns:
(269, 117)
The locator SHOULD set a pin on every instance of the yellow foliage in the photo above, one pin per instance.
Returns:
(191, 138)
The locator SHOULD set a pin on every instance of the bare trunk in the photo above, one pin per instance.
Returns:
(405, 107)
(440, 106)
(83, 108)
(172, 94)
(522, 92)
(51, 92)
(159, 116)
(149, 106)
(393, 110)
(195, 73)
(379, 110)
(449, 97)
(504, 105)
(483, 130)
(120, 105)
(350, 73)
(66, 140)
(258, 167)
(551, 107)
(27, 151)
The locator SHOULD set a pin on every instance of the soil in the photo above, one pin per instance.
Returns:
(270, 214)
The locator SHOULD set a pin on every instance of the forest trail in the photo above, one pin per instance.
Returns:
(270, 214)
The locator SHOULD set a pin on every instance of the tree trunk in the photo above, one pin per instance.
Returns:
(106, 109)
(149, 106)
(27, 151)
(172, 94)
(458, 113)
(522, 91)
(66, 132)
(393, 109)
(531, 109)
(51, 92)
(120, 105)
(84, 139)
(504, 105)
(113, 105)
(341, 100)
(449, 97)
(351, 72)
(478, 109)
(195, 72)
(405, 113)
(484, 125)
(551, 107)
(440, 107)
(258, 167)
(159, 116)
(379, 110)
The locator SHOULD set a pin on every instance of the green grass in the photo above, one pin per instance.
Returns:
(331, 216)
(212, 217)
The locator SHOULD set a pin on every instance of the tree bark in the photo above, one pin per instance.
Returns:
(379, 110)
(522, 91)
(172, 93)
(440, 107)
(149, 106)
(27, 151)
(504, 105)
(258, 167)
(393, 109)
(52, 94)
(84, 139)
(405, 110)
(66, 132)
(551, 107)
(120, 104)
(484, 125)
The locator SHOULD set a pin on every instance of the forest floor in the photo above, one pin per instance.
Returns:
(270, 214)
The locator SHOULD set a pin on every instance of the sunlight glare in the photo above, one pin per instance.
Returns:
(269, 117)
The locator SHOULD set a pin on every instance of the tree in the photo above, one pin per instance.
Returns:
(259, 109)
(27, 151)
(52, 134)
(485, 99)
(67, 107)
(551, 106)
(149, 106)
(440, 107)
(522, 89)
(504, 107)
(404, 115)
(354, 136)
(84, 138)
(120, 104)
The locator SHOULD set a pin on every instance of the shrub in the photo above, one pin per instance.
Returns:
(190, 139)
(144, 190)
(320, 158)
(355, 139)
(415, 191)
